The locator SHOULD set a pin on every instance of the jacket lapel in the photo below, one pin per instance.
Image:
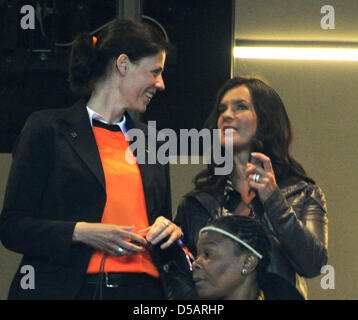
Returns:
(144, 168)
(146, 181)
(76, 128)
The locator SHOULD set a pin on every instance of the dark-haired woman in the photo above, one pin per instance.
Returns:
(233, 253)
(90, 223)
(232, 256)
(266, 182)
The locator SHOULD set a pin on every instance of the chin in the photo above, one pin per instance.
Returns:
(143, 106)
(232, 142)
(142, 109)
(138, 108)
(208, 296)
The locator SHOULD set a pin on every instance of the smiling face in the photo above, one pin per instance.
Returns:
(142, 80)
(216, 271)
(237, 117)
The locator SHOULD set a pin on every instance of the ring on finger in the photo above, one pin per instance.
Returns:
(166, 223)
(256, 178)
(120, 250)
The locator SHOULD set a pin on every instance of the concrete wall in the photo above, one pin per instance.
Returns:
(8, 260)
(321, 99)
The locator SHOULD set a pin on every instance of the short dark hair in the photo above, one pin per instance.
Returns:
(89, 60)
(253, 233)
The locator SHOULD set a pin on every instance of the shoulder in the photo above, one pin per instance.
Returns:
(40, 125)
(199, 200)
(306, 191)
(44, 117)
(36, 126)
(315, 193)
(278, 288)
(193, 213)
(188, 200)
(47, 117)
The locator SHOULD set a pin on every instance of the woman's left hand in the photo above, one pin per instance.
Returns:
(264, 175)
(162, 228)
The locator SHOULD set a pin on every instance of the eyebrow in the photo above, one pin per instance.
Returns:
(234, 101)
(209, 242)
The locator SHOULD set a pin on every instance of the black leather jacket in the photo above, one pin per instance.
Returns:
(297, 217)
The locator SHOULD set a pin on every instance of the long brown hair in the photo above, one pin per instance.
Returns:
(273, 134)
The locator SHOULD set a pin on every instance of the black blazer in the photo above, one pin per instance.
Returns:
(56, 180)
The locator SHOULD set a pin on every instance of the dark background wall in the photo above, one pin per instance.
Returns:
(33, 63)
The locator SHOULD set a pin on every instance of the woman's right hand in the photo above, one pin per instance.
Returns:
(109, 238)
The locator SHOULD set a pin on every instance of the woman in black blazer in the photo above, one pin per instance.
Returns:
(57, 193)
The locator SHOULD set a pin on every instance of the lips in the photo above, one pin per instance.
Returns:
(228, 130)
(149, 95)
(225, 128)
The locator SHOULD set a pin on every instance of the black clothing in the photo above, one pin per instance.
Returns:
(57, 180)
(296, 215)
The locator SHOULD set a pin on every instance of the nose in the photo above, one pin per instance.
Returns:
(228, 114)
(229, 110)
(160, 83)
(196, 264)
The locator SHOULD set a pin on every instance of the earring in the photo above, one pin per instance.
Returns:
(244, 271)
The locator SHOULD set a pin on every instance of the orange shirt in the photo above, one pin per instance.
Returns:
(125, 202)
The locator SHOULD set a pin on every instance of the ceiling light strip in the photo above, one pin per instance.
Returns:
(294, 53)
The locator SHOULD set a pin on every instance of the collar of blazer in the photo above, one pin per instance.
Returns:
(76, 128)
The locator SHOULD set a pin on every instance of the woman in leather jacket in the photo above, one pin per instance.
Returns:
(266, 183)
